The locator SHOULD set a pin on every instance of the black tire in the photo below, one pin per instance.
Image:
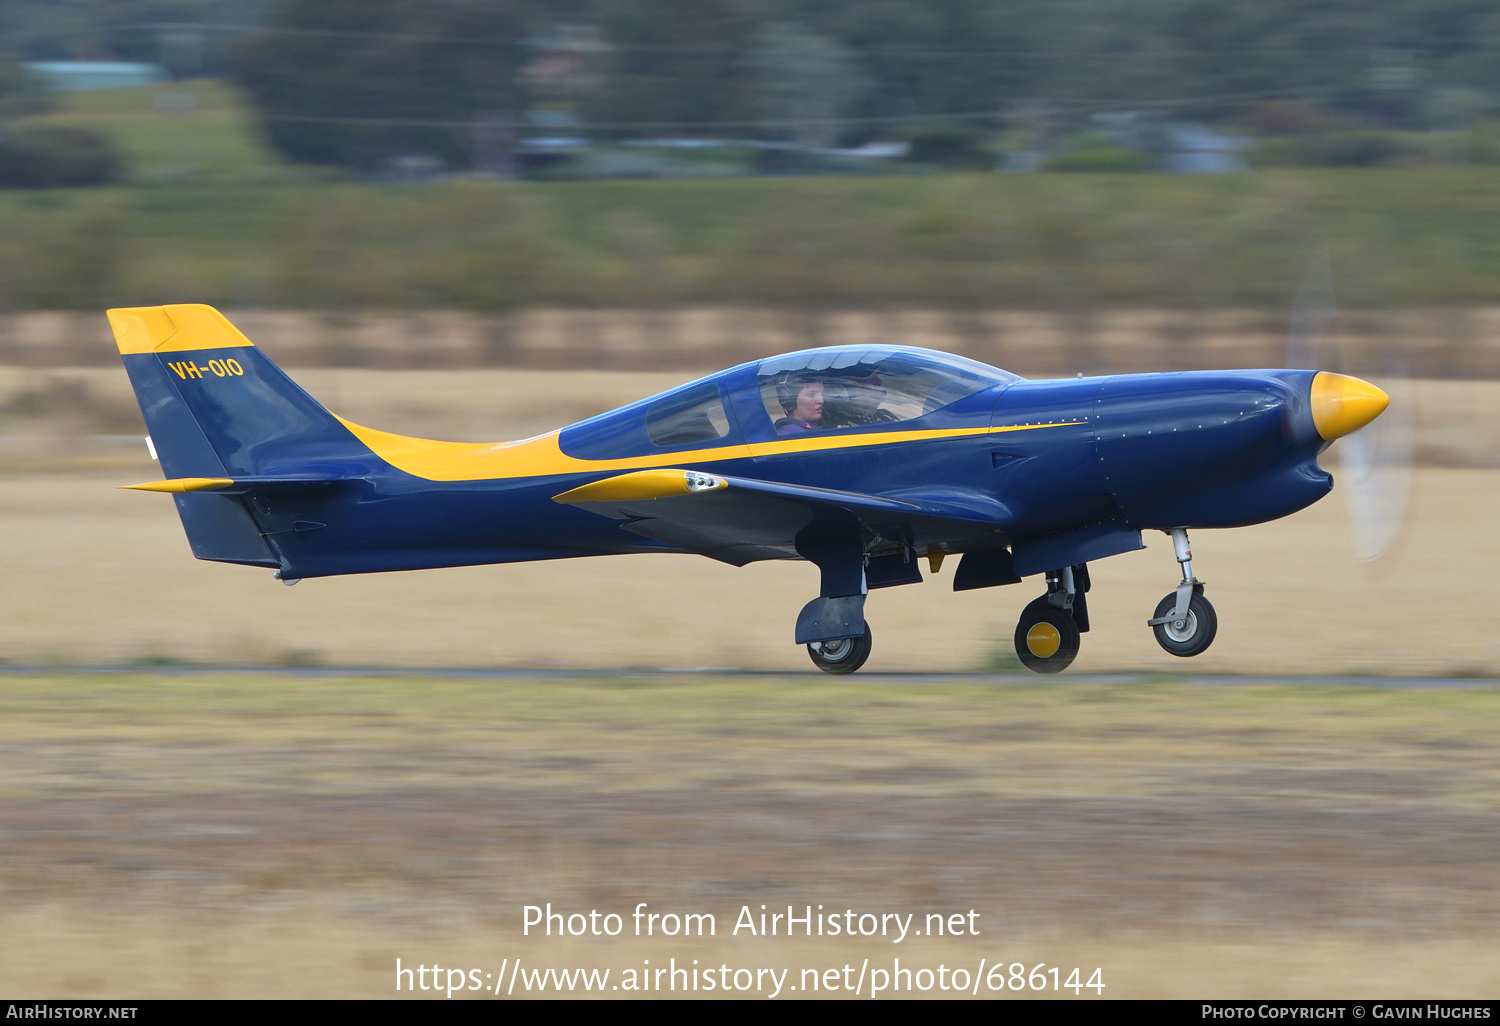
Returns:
(1195, 635)
(1046, 637)
(842, 656)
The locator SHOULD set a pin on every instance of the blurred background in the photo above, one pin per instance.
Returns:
(958, 157)
(484, 219)
(439, 214)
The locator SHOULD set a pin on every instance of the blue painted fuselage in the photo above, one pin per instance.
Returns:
(1066, 460)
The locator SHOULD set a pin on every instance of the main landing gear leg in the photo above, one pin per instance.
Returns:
(833, 626)
(1048, 634)
(1184, 622)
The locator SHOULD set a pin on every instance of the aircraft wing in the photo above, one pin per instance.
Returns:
(740, 520)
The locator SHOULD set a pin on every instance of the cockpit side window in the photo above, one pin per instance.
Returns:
(861, 388)
(697, 415)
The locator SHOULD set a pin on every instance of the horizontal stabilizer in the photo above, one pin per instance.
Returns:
(184, 484)
(236, 485)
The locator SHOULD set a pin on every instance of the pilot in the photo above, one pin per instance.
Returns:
(860, 404)
(802, 399)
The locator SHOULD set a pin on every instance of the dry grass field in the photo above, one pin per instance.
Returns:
(226, 835)
(209, 834)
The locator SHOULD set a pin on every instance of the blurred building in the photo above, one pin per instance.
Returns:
(66, 76)
(565, 69)
(1195, 150)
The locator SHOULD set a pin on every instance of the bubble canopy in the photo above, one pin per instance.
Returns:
(857, 386)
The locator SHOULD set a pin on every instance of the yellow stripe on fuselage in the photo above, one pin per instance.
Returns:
(543, 456)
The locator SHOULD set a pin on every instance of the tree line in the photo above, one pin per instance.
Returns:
(354, 81)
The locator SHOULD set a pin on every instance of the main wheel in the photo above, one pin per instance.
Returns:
(1190, 636)
(842, 656)
(1046, 637)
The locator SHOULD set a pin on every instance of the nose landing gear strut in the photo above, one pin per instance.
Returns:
(1184, 622)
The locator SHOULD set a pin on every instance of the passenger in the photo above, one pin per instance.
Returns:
(803, 402)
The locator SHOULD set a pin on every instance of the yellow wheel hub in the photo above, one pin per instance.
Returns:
(1043, 640)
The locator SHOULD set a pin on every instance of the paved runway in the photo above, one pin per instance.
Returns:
(898, 678)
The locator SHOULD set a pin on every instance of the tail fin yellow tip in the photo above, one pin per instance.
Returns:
(173, 329)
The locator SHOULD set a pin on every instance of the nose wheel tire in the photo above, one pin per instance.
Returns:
(1046, 637)
(1189, 636)
(842, 656)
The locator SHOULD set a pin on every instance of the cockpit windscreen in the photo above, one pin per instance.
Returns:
(852, 386)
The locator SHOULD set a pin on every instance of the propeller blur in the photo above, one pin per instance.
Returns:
(1375, 464)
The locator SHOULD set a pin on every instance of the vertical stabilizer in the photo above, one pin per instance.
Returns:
(200, 382)
(216, 407)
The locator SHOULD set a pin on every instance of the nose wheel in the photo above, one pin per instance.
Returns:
(1184, 622)
(1187, 635)
(844, 655)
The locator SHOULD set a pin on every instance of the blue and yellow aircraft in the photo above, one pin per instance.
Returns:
(862, 460)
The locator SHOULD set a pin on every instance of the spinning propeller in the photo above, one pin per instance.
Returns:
(1375, 461)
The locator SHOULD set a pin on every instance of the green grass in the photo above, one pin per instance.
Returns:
(208, 213)
(178, 132)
